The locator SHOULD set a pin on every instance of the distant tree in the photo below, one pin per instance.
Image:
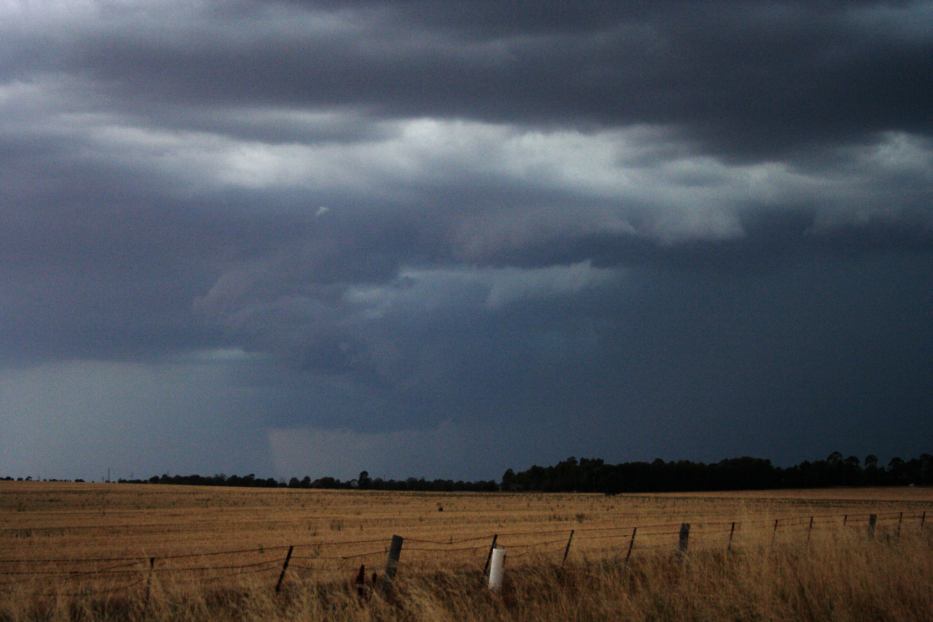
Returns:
(897, 471)
(363, 480)
(926, 469)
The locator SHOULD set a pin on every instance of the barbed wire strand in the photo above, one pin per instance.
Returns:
(778, 524)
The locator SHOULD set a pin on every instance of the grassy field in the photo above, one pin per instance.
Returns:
(82, 551)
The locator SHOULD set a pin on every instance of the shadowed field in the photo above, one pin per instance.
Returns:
(84, 550)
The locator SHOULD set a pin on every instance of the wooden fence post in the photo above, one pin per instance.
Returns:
(288, 557)
(395, 551)
(774, 532)
(684, 539)
(900, 519)
(923, 519)
(872, 521)
(152, 561)
(845, 519)
(809, 531)
(492, 546)
(361, 581)
(567, 548)
(631, 545)
(731, 534)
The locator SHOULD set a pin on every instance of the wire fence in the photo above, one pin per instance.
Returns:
(105, 575)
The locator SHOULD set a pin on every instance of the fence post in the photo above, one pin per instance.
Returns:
(774, 532)
(288, 556)
(395, 551)
(872, 521)
(496, 569)
(731, 533)
(845, 519)
(684, 540)
(900, 519)
(152, 561)
(492, 546)
(567, 548)
(361, 581)
(809, 531)
(628, 554)
(923, 519)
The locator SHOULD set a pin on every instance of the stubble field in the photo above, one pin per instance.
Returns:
(98, 551)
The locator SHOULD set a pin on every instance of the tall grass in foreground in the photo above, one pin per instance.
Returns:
(837, 576)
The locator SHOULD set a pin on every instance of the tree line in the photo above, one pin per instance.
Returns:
(363, 482)
(594, 475)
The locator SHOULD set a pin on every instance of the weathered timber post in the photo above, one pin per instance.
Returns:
(683, 541)
(900, 519)
(492, 546)
(923, 519)
(631, 545)
(845, 519)
(496, 569)
(395, 551)
(361, 581)
(567, 548)
(731, 534)
(774, 532)
(149, 581)
(872, 521)
(809, 531)
(288, 557)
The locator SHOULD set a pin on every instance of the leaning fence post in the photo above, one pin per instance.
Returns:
(631, 545)
(809, 531)
(900, 519)
(395, 551)
(872, 521)
(684, 539)
(567, 548)
(496, 569)
(731, 534)
(288, 556)
(492, 547)
(774, 532)
(152, 561)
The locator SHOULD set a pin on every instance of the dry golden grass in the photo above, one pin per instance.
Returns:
(839, 574)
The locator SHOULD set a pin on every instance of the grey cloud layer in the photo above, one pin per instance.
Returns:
(750, 80)
(422, 216)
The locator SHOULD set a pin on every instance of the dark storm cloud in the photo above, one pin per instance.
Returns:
(815, 351)
(448, 223)
(750, 80)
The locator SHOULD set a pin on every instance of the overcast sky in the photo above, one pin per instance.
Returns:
(447, 238)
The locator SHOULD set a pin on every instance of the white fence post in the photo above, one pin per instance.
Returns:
(496, 569)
